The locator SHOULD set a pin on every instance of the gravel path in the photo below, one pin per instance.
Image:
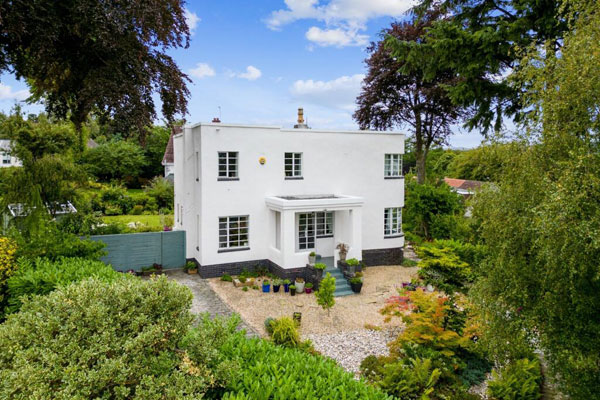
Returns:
(205, 299)
(350, 348)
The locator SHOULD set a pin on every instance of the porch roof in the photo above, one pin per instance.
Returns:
(317, 202)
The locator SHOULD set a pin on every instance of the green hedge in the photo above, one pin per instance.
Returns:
(42, 276)
(268, 371)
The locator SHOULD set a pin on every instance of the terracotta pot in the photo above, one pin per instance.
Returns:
(192, 271)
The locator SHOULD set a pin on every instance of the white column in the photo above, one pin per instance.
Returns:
(288, 238)
(355, 233)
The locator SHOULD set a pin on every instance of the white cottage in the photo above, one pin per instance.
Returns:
(248, 195)
(6, 157)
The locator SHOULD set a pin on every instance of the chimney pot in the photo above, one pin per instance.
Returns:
(301, 124)
(216, 120)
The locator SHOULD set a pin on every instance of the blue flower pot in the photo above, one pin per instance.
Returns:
(286, 287)
(266, 288)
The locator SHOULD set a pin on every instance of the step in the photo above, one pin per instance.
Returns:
(347, 292)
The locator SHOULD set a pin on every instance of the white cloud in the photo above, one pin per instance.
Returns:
(338, 93)
(192, 20)
(252, 73)
(343, 18)
(336, 37)
(202, 70)
(6, 93)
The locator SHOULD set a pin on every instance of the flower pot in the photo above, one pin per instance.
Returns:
(356, 287)
(312, 260)
(307, 290)
(293, 292)
(266, 288)
(342, 256)
(286, 287)
(276, 288)
(351, 270)
(299, 287)
(319, 273)
(192, 271)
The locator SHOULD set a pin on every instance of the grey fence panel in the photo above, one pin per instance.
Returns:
(138, 250)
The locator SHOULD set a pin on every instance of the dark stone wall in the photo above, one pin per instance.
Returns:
(236, 268)
(392, 256)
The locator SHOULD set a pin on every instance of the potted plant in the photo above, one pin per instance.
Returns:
(191, 268)
(343, 250)
(356, 284)
(308, 287)
(293, 290)
(352, 263)
(299, 283)
(154, 269)
(276, 285)
(312, 257)
(266, 286)
(319, 268)
(286, 285)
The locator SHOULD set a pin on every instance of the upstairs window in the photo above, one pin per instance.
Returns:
(228, 164)
(293, 165)
(392, 222)
(233, 232)
(393, 165)
(5, 158)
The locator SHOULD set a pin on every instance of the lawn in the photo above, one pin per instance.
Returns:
(150, 220)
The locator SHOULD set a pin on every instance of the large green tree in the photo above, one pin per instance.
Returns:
(540, 284)
(108, 57)
(479, 41)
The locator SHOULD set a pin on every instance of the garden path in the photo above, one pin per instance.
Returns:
(205, 298)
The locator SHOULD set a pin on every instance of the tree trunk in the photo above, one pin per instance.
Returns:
(420, 152)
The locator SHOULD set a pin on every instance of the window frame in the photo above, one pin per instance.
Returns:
(392, 224)
(324, 224)
(227, 156)
(296, 164)
(6, 158)
(226, 233)
(392, 165)
(309, 226)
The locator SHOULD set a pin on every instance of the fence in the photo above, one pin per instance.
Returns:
(137, 250)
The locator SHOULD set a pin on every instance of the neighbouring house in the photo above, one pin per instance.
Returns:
(168, 160)
(6, 157)
(464, 187)
(249, 195)
(15, 212)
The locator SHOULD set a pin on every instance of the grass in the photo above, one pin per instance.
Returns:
(409, 263)
(150, 220)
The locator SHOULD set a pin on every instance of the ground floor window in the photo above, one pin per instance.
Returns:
(324, 223)
(306, 231)
(392, 221)
(233, 232)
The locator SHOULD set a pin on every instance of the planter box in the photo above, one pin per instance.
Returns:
(249, 282)
(192, 271)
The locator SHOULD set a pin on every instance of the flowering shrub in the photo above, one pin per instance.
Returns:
(7, 267)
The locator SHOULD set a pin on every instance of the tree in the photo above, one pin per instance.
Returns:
(83, 56)
(115, 160)
(156, 143)
(480, 42)
(541, 223)
(396, 92)
(325, 293)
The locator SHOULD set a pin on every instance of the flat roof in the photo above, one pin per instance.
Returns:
(313, 202)
(272, 127)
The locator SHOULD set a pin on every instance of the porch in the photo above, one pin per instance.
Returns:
(305, 223)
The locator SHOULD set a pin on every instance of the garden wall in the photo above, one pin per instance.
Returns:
(137, 250)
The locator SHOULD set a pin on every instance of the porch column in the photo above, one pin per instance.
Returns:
(355, 232)
(288, 237)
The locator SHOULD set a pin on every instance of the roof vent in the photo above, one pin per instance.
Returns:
(216, 120)
(301, 124)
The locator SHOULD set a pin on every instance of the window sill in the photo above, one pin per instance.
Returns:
(294, 178)
(394, 236)
(324, 236)
(227, 179)
(394, 177)
(233, 249)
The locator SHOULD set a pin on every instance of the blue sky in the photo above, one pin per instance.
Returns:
(260, 60)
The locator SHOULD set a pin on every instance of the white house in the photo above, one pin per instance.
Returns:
(167, 160)
(6, 158)
(248, 195)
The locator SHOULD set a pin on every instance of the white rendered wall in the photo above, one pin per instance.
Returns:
(5, 146)
(342, 163)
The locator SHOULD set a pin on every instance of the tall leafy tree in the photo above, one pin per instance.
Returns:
(108, 57)
(540, 283)
(480, 42)
(396, 93)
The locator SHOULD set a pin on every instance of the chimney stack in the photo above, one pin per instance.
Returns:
(216, 120)
(301, 124)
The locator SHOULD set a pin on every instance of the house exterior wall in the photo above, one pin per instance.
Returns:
(340, 163)
(5, 149)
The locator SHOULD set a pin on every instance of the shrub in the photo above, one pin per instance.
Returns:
(268, 371)
(443, 269)
(114, 160)
(285, 332)
(95, 339)
(227, 278)
(138, 209)
(320, 266)
(325, 293)
(42, 276)
(162, 191)
(520, 380)
(352, 261)
(7, 268)
(269, 325)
